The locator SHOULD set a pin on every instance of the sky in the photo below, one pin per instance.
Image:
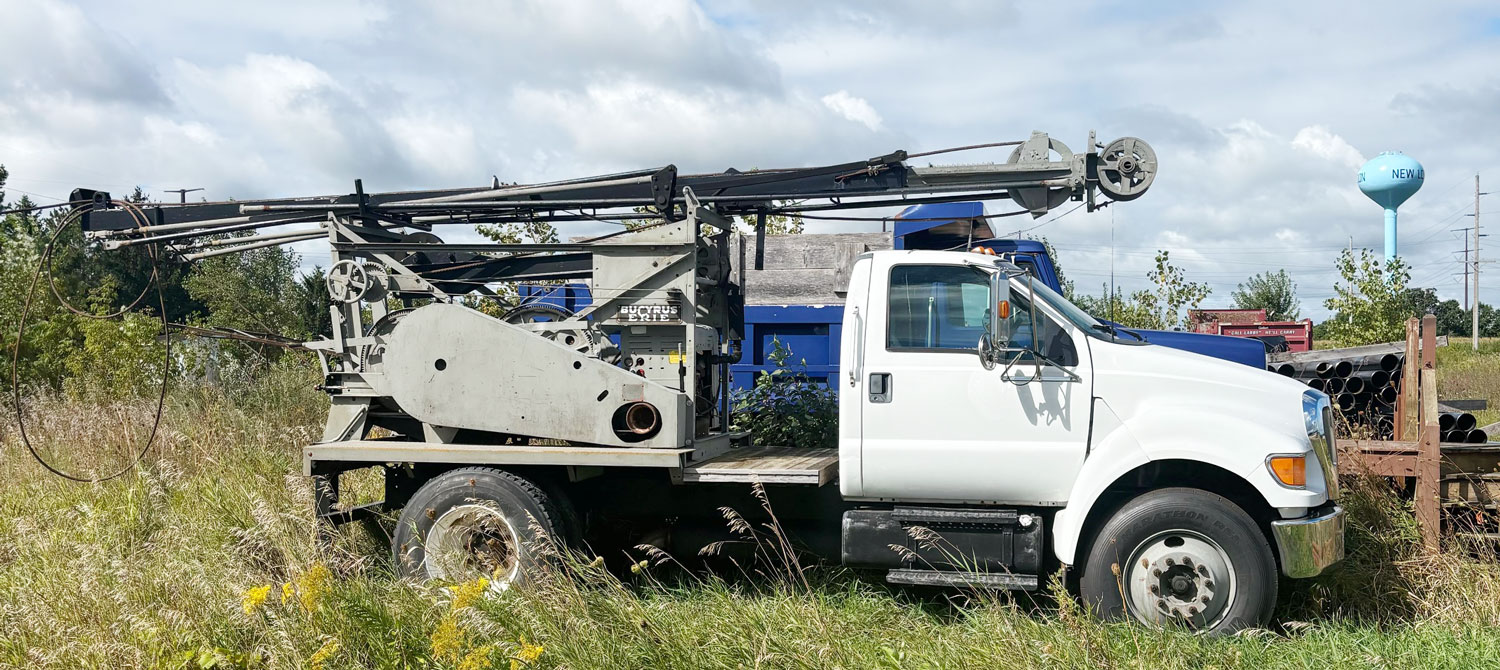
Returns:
(1260, 113)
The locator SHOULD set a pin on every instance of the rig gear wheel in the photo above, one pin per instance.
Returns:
(584, 339)
(347, 281)
(1039, 149)
(1127, 167)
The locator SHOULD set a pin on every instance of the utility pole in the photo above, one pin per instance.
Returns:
(1474, 326)
(1467, 264)
(182, 193)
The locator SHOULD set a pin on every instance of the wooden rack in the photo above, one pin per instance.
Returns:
(1443, 477)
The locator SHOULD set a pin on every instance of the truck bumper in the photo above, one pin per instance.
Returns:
(1309, 545)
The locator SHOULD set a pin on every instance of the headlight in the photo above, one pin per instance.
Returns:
(1317, 416)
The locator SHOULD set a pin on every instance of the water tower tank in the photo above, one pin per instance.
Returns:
(1389, 179)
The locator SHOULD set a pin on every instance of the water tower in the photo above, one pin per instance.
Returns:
(1389, 179)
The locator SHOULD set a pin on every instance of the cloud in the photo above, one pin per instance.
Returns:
(52, 49)
(852, 108)
(1258, 118)
(633, 124)
(1320, 143)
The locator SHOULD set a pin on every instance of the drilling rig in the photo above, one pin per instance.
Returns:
(645, 365)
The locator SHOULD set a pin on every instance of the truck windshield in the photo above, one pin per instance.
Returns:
(1088, 324)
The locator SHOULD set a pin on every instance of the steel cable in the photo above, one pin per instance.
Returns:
(44, 264)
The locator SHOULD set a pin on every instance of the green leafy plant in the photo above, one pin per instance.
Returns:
(785, 407)
(1161, 307)
(1274, 292)
(1370, 303)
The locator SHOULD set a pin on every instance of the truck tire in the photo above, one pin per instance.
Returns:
(476, 522)
(1185, 557)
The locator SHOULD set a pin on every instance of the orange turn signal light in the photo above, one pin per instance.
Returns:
(1289, 470)
(1003, 309)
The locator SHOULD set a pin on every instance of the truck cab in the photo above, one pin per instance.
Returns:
(971, 387)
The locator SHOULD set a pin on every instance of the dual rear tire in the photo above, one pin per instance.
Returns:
(477, 522)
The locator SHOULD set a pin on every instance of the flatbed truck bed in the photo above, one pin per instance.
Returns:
(718, 463)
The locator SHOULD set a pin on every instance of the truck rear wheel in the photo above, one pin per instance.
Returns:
(475, 522)
(1181, 557)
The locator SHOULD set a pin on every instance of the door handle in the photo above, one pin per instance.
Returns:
(880, 387)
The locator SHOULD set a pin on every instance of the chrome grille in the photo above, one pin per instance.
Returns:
(1328, 454)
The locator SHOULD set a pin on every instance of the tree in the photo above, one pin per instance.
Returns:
(1274, 292)
(252, 290)
(1062, 278)
(538, 232)
(776, 224)
(1370, 302)
(1164, 306)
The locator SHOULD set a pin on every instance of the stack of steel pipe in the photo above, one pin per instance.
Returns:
(1461, 427)
(1363, 388)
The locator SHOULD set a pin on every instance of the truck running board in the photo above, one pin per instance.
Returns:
(984, 580)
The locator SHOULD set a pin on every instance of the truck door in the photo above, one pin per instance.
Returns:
(938, 425)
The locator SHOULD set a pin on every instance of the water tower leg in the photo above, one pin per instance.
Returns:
(1390, 235)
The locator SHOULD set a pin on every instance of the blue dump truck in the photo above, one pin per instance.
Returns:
(795, 296)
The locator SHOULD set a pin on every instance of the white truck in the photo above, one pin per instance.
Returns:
(989, 432)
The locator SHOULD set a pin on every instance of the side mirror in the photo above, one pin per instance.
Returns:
(988, 356)
(999, 310)
(995, 339)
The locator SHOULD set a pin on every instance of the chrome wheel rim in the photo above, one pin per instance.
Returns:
(1179, 577)
(470, 541)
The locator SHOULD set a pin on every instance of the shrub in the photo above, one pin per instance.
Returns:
(786, 407)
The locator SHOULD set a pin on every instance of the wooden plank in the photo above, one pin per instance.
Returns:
(1429, 344)
(1382, 462)
(1406, 403)
(769, 465)
(390, 451)
(1426, 499)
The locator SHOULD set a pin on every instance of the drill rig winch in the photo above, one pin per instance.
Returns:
(645, 363)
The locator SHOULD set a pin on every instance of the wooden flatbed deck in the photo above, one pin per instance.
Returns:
(768, 465)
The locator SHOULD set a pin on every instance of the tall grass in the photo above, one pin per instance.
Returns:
(208, 557)
(1465, 374)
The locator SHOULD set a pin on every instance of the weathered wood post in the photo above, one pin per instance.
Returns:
(1406, 403)
(1429, 471)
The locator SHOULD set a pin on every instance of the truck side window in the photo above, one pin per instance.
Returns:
(937, 307)
(1051, 339)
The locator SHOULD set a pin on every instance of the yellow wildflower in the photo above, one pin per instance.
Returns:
(526, 655)
(287, 592)
(254, 598)
(465, 594)
(313, 585)
(320, 657)
(479, 659)
(448, 640)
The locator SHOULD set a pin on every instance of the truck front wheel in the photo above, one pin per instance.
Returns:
(1183, 557)
(475, 522)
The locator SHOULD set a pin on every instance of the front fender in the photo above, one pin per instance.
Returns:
(1113, 451)
(1120, 445)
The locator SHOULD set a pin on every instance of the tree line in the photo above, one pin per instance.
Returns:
(79, 352)
(1371, 301)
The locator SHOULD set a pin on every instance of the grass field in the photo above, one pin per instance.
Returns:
(207, 558)
(1465, 374)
